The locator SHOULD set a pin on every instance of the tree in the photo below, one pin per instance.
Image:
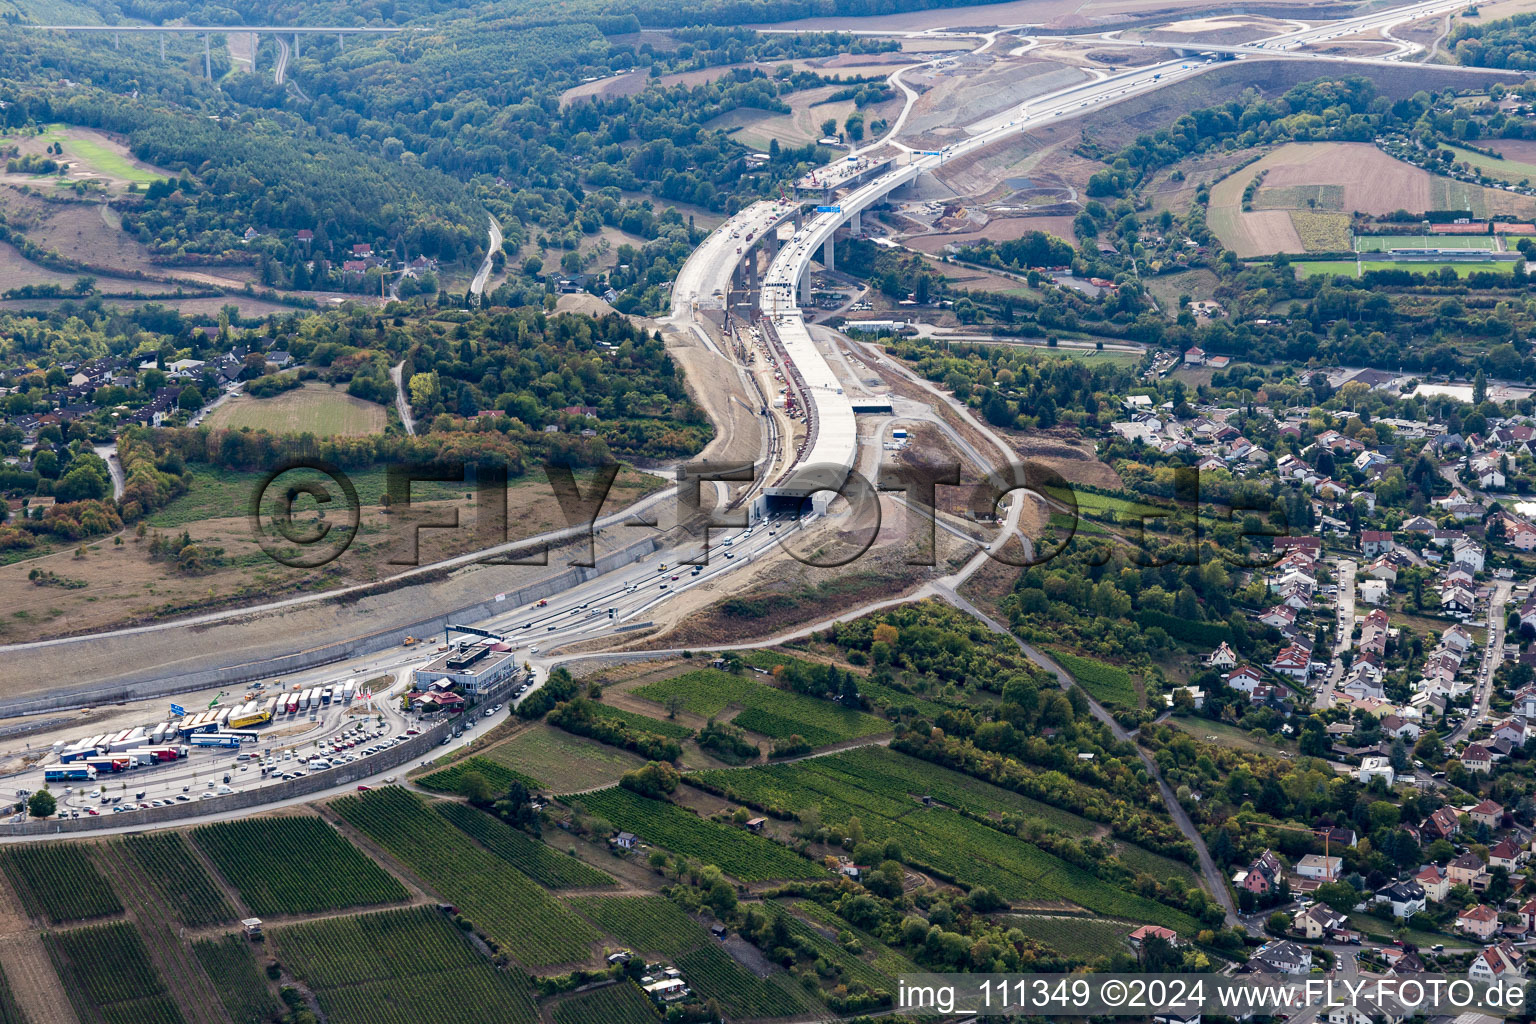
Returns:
(655, 780)
(829, 127)
(190, 399)
(516, 808)
(1479, 388)
(1341, 896)
(855, 126)
(42, 804)
(476, 788)
(1314, 738)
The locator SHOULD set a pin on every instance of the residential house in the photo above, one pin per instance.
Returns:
(1487, 813)
(1476, 758)
(1376, 768)
(1246, 679)
(1512, 731)
(1317, 866)
(1400, 728)
(1469, 552)
(1468, 869)
(1294, 662)
(1222, 657)
(1519, 534)
(1282, 957)
(1434, 881)
(1442, 824)
(1260, 876)
(1375, 542)
(1146, 931)
(1500, 961)
(1373, 591)
(1479, 921)
(1403, 898)
(1320, 922)
(1505, 854)
(1527, 914)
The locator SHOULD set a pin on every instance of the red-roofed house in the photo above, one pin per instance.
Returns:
(1476, 758)
(1487, 813)
(1168, 935)
(1480, 921)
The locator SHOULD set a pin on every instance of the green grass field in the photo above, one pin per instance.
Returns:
(1381, 243)
(312, 409)
(767, 711)
(1348, 269)
(561, 762)
(1108, 684)
(882, 789)
(530, 856)
(1327, 268)
(1075, 936)
(101, 158)
(447, 780)
(731, 848)
(1511, 171)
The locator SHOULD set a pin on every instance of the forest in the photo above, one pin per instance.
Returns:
(412, 138)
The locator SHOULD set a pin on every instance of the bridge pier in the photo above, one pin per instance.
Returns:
(162, 46)
(255, 48)
(805, 287)
(752, 270)
(828, 255)
(117, 41)
(855, 226)
(207, 59)
(341, 41)
(295, 46)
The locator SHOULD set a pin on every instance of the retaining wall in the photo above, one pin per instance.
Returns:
(134, 687)
(415, 748)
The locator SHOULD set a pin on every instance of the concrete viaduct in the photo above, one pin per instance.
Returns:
(209, 31)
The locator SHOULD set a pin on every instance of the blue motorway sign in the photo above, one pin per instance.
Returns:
(829, 209)
(177, 709)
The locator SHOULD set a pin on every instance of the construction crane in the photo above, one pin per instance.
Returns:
(1326, 834)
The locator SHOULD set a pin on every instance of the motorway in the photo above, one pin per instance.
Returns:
(624, 597)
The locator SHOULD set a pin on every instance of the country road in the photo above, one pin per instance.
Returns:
(477, 287)
(402, 406)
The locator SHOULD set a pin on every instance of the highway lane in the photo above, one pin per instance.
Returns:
(581, 613)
